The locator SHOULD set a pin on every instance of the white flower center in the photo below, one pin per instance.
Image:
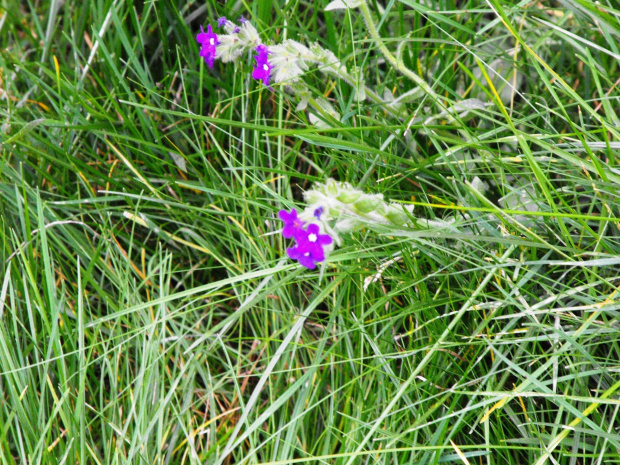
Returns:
(312, 237)
(266, 68)
(307, 254)
(212, 41)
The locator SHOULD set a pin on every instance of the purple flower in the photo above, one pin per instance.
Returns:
(262, 70)
(318, 212)
(208, 41)
(242, 19)
(312, 240)
(304, 256)
(222, 21)
(292, 224)
(309, 249)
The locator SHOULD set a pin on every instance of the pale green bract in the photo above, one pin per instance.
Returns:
(343, 4)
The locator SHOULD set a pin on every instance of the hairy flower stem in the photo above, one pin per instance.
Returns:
(341, 73)
(374, 97)
(397, 64)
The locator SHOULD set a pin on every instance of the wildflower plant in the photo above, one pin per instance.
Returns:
(283, 63)
(231, 45)
(337, 207)
(333, 207)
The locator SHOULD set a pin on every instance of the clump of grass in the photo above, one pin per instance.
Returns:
(147, 313)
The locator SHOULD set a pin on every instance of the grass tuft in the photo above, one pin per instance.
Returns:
(148, 312)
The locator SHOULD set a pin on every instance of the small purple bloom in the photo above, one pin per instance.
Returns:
(262, 70)
(312, 240)
(304, 256)
(292, 224)
(222, 21)
(318, 212)
(242, 20)
(208, 41)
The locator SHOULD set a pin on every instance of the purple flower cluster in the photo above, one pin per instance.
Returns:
(209, 42)
(310, 242)
(262, 70)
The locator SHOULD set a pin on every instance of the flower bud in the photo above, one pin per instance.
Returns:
(367, 204)
(348, 196)
(396, 217)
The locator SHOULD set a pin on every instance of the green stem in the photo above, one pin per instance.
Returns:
(397, 64)
(341, 73)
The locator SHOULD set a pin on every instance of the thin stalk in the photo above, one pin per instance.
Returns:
(429, 355)
(397, 64)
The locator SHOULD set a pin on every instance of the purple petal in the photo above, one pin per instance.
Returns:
(263, 51)
(262, 69)
(305, 256)
(208, 41)
(286, 216)
(293, 253)
(318, 239)
(289, 231)
(313, 228)
(325, 239)
(301, 236)
(307, 261)
(292, 224)
(317, 253)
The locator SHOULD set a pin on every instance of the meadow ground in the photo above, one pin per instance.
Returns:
(149, 313)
